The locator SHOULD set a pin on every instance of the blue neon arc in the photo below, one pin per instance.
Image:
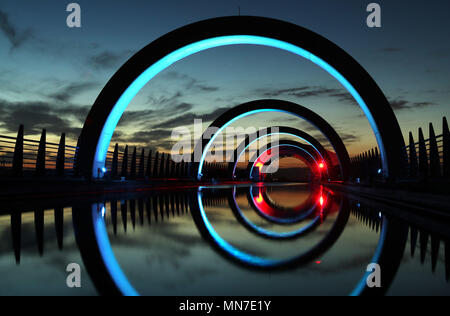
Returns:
(236, 253)
(107, 253)
(288, 221)
(284, 145)
(156, 68)
(270, 134)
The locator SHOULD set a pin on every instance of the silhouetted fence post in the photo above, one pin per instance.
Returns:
(423, 156)
(141, 164)
(177, 170)
(148, 172)
(405, 163)
(435, 162)
(155, 166)
(125, 162)
(40, 160)
(59, 226)
(76, 165)
(133, 163)
(379, 164)
(172, 169)
(446, 147)
(161, 167)
(413, 166)
(115, 162)
(16, 231)
(18, 153)
(60, 159)
(168, 163)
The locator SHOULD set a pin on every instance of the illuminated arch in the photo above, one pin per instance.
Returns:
(272, 105)
(183, 42)
(284, 149)
(282, 130)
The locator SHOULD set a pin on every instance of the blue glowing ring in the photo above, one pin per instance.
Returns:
(276, 235)
(282, 221)
(267, 135)
(107, 254)
(251, 260)
(284, 145)
(174, 46)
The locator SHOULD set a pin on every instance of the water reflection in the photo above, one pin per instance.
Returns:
(276, 240)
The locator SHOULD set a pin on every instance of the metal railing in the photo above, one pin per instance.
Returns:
(19, 155)
(424, 159)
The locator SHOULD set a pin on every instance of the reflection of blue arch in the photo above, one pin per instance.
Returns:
(316, 221)
(388, 254)
(95, 248)
(167, 50)
(277, 220)
(109, 279)
(255, 262)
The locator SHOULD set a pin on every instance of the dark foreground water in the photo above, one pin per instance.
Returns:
(246, 240)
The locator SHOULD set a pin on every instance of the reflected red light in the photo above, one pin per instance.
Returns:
(259, 165)
(259, 199)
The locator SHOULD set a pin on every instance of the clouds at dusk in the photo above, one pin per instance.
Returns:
(51, 75)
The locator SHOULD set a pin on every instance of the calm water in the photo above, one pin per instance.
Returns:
(246, 240)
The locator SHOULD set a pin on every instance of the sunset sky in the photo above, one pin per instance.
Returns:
(50, 75)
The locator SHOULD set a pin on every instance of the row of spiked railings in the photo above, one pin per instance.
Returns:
(138, 164)
(424, 158)
(22, 156)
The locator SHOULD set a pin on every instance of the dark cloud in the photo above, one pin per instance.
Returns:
(133, 117)
(419, 105)
(148, 117)
(107, 59)
(189, 83)
(68, 92)
(159, 135)
(15, 37)
(304, 91)
(146, 136)
(349, 138)
(189, 118)
(165, 100)
(401, 104)
(36, 116)
(309, 91)
(390, 50)
(346, 138)
(79, 113)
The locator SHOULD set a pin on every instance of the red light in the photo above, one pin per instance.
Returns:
(259, 165)
(259, 199)
(321, 166)
(321, 201)
(318, 262)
